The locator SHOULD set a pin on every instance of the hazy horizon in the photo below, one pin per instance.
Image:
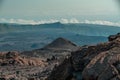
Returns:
(58, 9)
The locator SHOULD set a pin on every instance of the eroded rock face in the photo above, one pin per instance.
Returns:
(62, 72)
(97, 62)
(104, 66)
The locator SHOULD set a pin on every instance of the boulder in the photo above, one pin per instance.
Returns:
(94, 62)
(62, 72)
(104, 66)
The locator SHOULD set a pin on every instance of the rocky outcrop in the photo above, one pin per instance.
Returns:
(36, 64)
(15, 66)
(104, 66)
(62, 72)
(14, 58)
(113, 37)
(96, 62)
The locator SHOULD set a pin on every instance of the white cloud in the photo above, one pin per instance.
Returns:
(102, 22)
(74, 21)
(64, 21)
(22, 21)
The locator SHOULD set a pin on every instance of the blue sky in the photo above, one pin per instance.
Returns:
(43, 9)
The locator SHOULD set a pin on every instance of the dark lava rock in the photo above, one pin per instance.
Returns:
(113, 37)
(104, 66)
(62, 72)
(97, 62)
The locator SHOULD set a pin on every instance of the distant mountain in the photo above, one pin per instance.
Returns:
(59, 47)
(82, 29)
(29, 37)
(7, 28)
(61, 43)
(92, 29)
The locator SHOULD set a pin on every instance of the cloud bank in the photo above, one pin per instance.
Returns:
(64, 21)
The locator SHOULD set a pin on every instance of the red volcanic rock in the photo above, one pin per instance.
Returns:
(14, 58)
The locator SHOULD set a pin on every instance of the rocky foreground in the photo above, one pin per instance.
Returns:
(63, 60)
(97, 62)
(36, 64)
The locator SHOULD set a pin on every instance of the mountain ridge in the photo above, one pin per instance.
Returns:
(83, 29)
